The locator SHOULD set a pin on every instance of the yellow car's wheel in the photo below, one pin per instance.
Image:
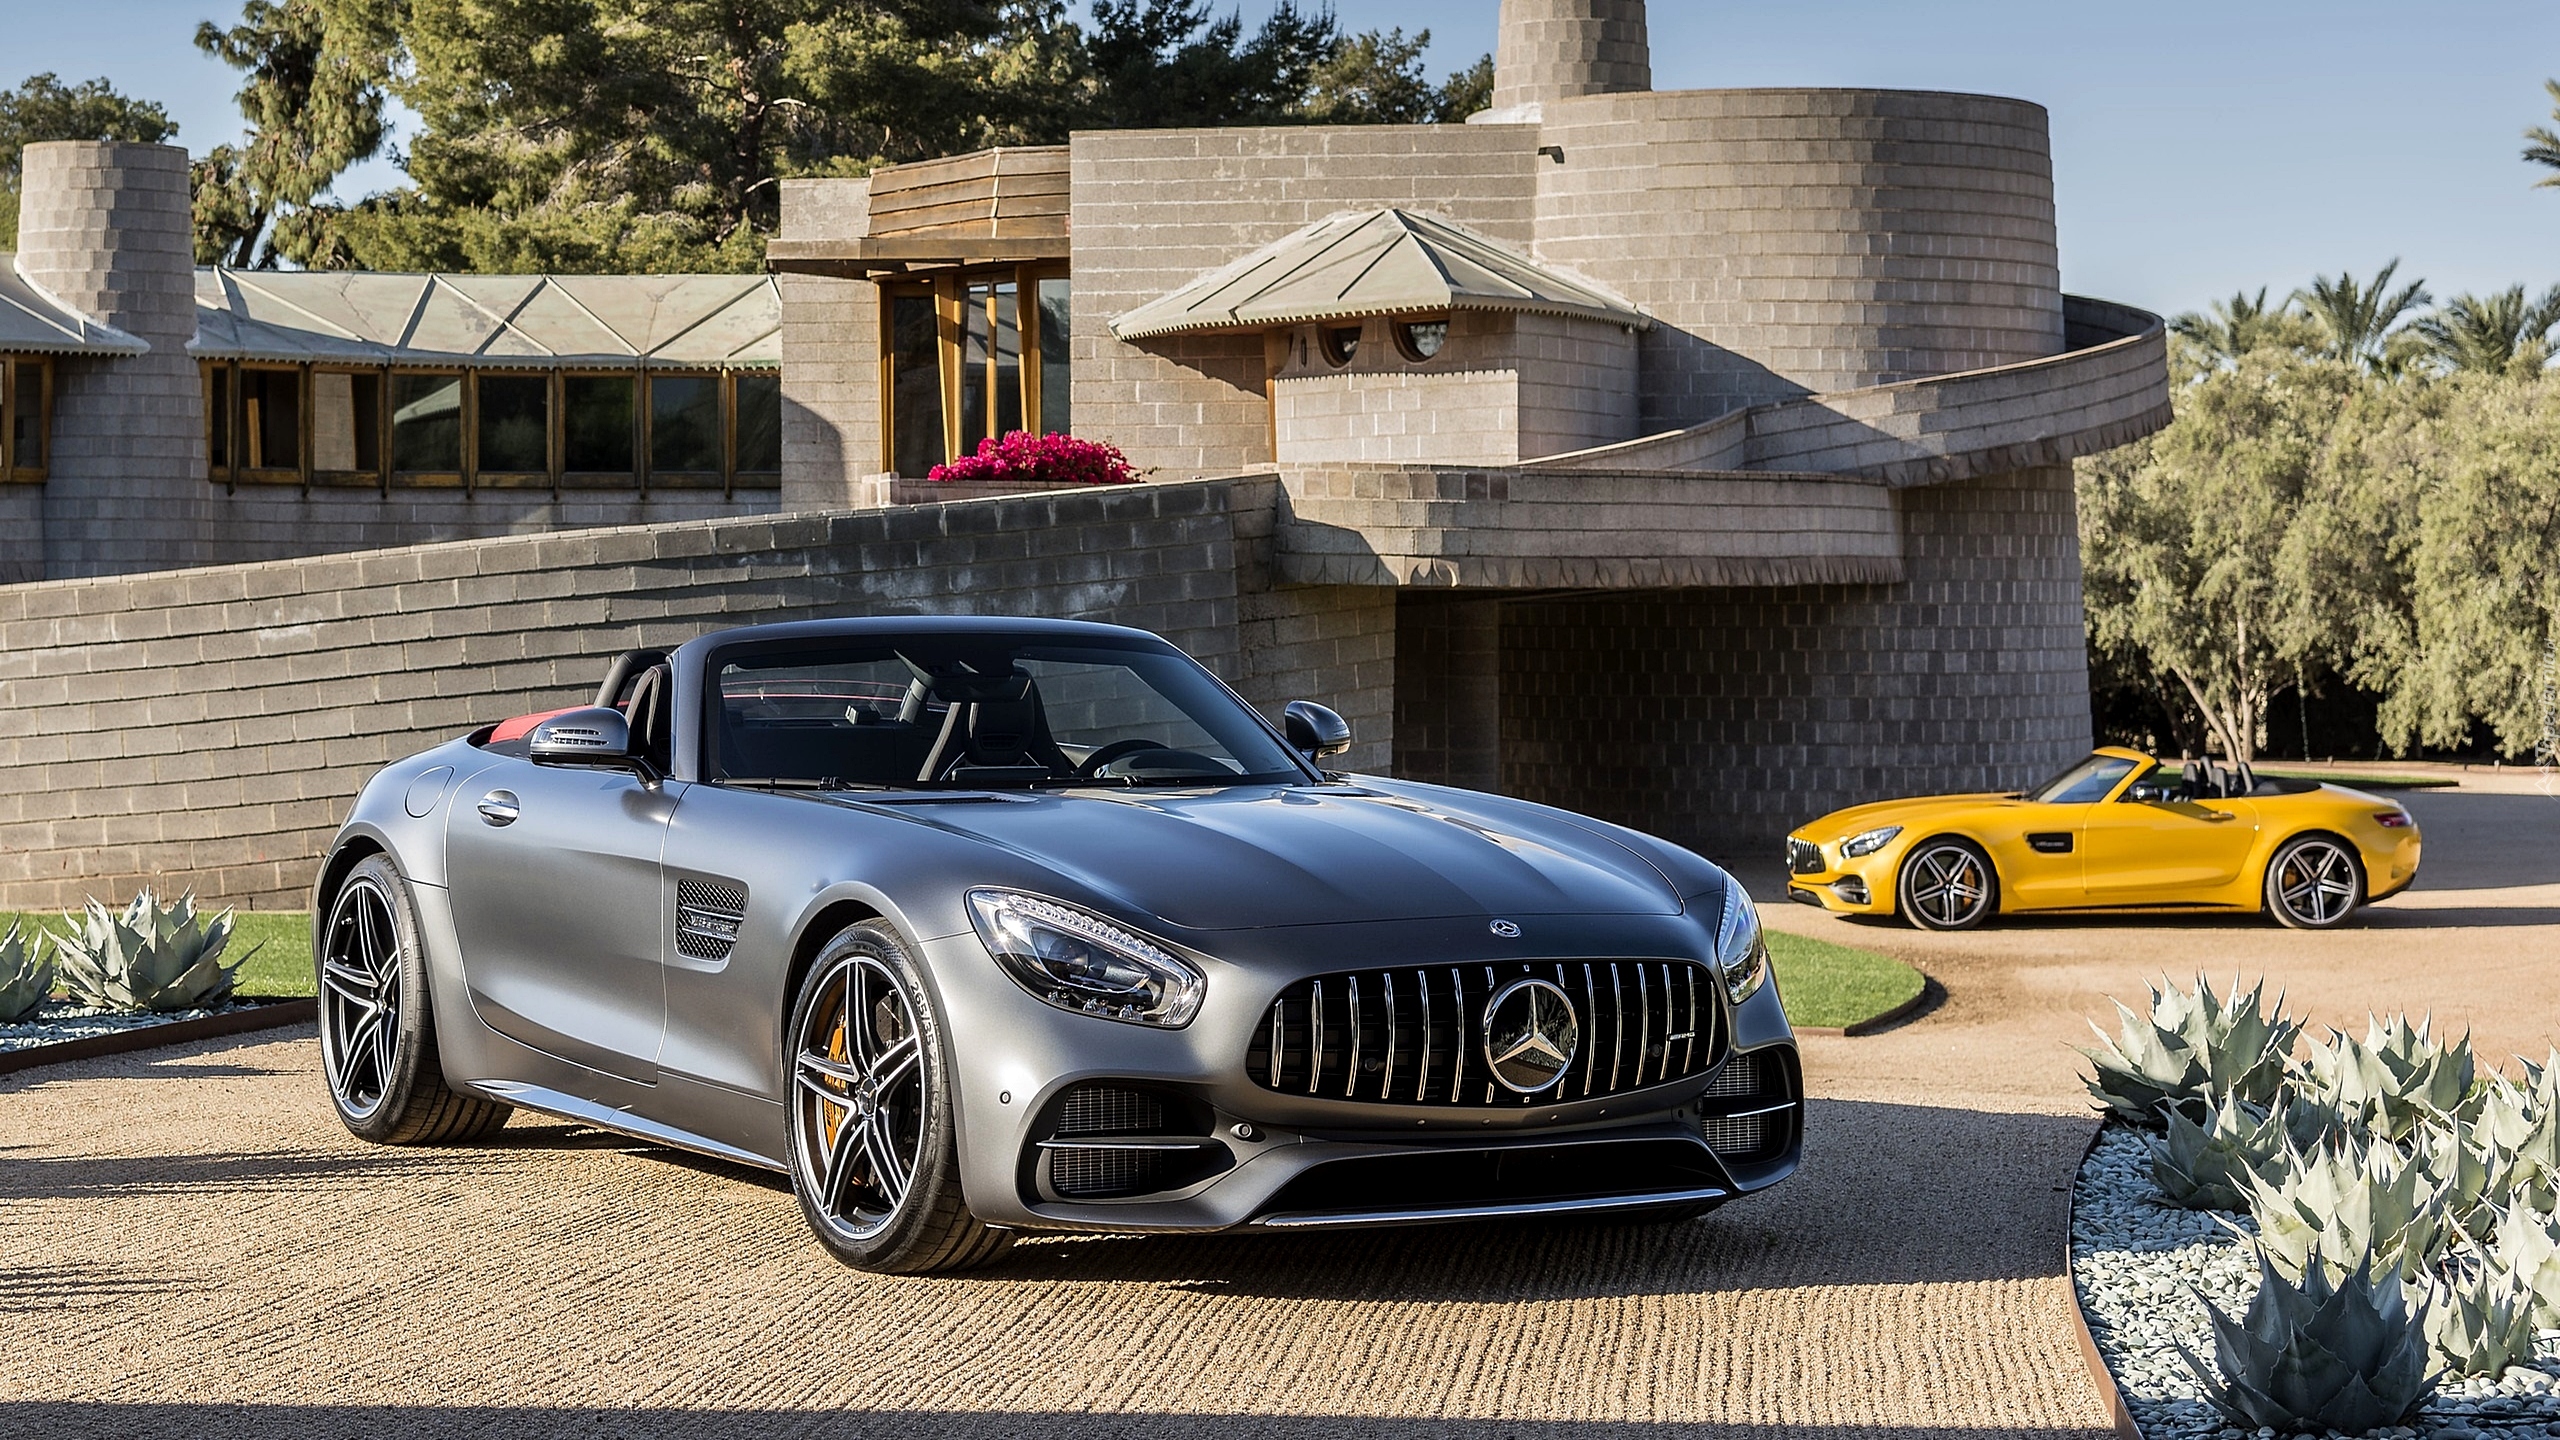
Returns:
(2314, 883)
(1948, 884)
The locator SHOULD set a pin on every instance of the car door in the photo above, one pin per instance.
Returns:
(555, 876)
(2041, 867)
(2165, 852)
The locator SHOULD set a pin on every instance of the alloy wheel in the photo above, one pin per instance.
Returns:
(360, 998)
(1948, 887)
(859, 1096)
(2316, 882)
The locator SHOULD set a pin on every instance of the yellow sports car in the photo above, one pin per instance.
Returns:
(2117, 831)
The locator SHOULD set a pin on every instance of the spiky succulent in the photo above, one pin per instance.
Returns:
(2519, 1124)
(26, 973)
(2394, 1080)
(2470, 1177)
(2526, 1245)
(2358, 1198)
(150, 957)
(2325, 1354)
(2191, 1053)
(2211, 1166)
(2480, 1322)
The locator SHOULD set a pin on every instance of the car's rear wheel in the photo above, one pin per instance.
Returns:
(2314, 883)
(1948, 885)
(377, 1029)
(875, 1158)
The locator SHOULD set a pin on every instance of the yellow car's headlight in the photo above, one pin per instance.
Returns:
(1868, 842)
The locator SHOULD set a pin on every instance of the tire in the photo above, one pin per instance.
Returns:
(2314, 882)
(377, 1025)
(868, 1078)
(1947, 884)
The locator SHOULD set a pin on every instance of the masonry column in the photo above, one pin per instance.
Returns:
(106, 229)
(1557, 49)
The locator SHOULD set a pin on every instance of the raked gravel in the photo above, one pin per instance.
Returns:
(2140, 1266)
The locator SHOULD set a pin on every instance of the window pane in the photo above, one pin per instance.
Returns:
(974, 345)
(271, 418)
(333, 421)
(1008, 359)
(599, 422)
(515, 424)
(426, 422)
(684, 423)
(26, 415)
(1055, 383)
(915, 413)
(364, 396)
(217, 419)
(759, 402)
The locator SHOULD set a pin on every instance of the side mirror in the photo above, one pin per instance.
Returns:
(597, 735)
(2146, 792)
(1314, 730)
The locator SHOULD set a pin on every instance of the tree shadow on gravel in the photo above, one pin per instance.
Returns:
(69, 1420)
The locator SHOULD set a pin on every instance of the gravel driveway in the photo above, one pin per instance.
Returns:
(190, 1247)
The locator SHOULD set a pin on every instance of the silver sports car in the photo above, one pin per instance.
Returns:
(979, 926)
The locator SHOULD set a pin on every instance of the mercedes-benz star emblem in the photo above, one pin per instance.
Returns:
(1504, 928)
(1530, 1034)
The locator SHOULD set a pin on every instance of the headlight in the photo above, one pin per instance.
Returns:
(1868, 842)
(1081, 962)
(1740, 953)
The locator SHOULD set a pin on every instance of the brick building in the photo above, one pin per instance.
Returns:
(1699, 459)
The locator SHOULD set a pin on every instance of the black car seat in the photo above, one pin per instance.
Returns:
(647, 713)
(996, 732)
(2191, 781)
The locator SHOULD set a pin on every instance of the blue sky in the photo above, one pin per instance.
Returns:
(2198, 147)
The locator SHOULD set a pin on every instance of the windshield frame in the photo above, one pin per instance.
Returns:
(716, 660)
(2133, 769)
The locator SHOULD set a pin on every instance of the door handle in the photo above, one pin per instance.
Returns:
(499, 807)
(2219, 816)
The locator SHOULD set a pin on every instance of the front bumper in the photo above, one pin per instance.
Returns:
(1230, 1153)
(1818, 876)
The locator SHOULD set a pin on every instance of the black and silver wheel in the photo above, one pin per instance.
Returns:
(377, 1030)
(2314, 883)
(1948, 884)
(874, 1158)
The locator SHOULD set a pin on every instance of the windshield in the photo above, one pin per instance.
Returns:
(2083, 784)
(975, 711)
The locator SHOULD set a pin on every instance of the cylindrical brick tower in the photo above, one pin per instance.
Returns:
(1557, 49)
(106, 228)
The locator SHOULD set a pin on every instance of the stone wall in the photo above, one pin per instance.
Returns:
(210, 727)
(831, 435)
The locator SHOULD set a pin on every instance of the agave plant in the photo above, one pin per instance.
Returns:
(151, 957)
(2527, 1246)
(2395, 1079)
(2325, 1354)
(2191, 1053)
(2519, 1124)
(2481, 1322)
(2210, 1166)
(2471, 1177)
(26, 974)
(2365, 1200)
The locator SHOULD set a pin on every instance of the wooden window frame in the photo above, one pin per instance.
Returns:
(634, 478)
(765, 479)
(950, 293)
(693, 482)
(377, 478)
(244, 473)
(546, 478)
(458, 478)
(11, 471)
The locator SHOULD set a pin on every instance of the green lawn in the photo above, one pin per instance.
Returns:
(277, 942)
(1828, 985)
(2366, 782)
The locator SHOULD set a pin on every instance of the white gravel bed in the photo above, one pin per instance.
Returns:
(59, 1020)
(2139, 1264)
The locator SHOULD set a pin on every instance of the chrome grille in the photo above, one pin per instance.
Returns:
(707, 916)
(1415, 1035)
(1803, 858)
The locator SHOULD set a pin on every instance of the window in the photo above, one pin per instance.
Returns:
(1419, 340)
(217, 420)
(684, 427)
(1339, 343)
(426, 425)
(2084, 783)
(270, 426)
(600, 427)
(26, 405)
(757, 399)
(972, 356)
(514, 428)
(346, 424)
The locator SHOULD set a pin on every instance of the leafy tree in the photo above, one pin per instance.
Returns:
(1161, 63)
(314, 105)
(1376, 78)
(2358, 321)
(46, 109)
(2542, 142)
(2228, 329)
(2497, 334)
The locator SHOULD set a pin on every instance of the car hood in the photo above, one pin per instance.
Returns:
(1841, 824)
(1248, 857)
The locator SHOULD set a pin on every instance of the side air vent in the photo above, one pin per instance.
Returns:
(707, 916)
(1748, 1112)
(1113, 1142)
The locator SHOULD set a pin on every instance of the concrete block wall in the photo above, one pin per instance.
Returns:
(209, 727)
(831, 427)
(1553, 49)
(1579, 383)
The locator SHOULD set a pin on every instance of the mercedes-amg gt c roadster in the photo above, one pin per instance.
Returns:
(978, 926)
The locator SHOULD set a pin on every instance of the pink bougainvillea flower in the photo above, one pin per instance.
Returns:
(1021, 457)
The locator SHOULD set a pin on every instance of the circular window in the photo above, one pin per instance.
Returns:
(1422, 339)
(1340, 343)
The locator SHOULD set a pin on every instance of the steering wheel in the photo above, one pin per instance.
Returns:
(1094, 762)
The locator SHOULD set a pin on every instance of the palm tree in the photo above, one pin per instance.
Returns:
(2501, 334)
(2542, 143)
(2356, 321)
(2229, 329)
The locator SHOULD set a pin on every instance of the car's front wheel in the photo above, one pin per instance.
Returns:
(2314, 883)
(377, 1029)
(875, 1158)
(1948, 884)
